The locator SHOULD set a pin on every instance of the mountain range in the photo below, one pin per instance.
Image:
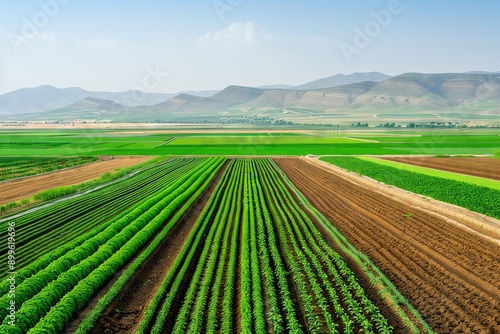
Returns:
(473, 93)
(42, 98)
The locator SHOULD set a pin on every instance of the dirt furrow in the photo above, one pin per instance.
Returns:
(418, 275)
(453, 287)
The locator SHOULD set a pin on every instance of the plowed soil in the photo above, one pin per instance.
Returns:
(483, 167)
(27, 187)
(450, 274)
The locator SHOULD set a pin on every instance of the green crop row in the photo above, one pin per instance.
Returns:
(386, 290)
(20, 167)
(473, 197)
(262, 247)
(48, 300)
(161, 303)
(254, 260)
(40, 231)
(322, 268)
(90, 320)
(271, 257)
(55, 193)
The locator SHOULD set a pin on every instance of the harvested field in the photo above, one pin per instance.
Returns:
(449, 273)
(483, 167)
(27, 187)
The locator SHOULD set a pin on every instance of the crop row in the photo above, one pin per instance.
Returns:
(318, 268)
(162, 303)
(47, 300)
(476, 198)
(11, 169)
(255, 262)
(92, 317)
(386, 290)
(44, 230)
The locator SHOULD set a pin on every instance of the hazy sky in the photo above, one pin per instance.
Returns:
(168, 46)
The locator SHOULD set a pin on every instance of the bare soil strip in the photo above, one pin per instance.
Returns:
(451, 274)
(483, 167)
(16, 190)
(125, 312)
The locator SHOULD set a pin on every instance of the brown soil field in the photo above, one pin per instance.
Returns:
(448, 268)
(483, 167)
(26, 187)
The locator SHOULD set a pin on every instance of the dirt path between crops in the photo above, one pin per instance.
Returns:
(443, 260)
(126, 310)
(27, 187)
(483, 167)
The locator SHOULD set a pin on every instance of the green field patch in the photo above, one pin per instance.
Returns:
(480, 181)
(148, 142)
(259, 140)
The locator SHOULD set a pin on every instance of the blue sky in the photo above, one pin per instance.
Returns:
(168, 46)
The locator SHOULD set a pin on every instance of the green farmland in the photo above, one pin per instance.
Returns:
(220, 230)
(27, 143)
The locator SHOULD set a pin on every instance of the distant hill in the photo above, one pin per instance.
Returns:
(341, 79)
(318, 99)
(186, 103)
(38, 99)
(96, 105)
(89, 108)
